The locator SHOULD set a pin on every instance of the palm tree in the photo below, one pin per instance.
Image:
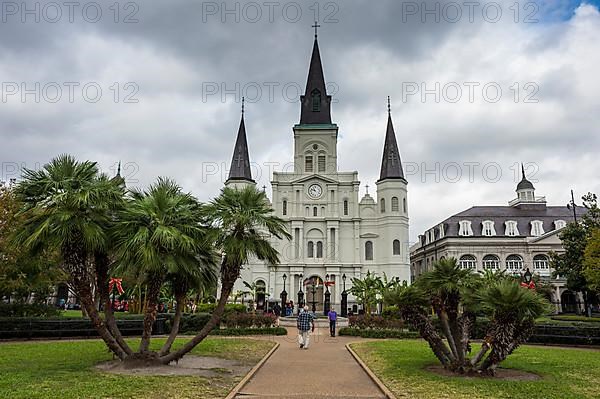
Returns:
(365, 290)
(456, 296)
(242, 220)
(159, 236)
(68, 208)
(512, 310)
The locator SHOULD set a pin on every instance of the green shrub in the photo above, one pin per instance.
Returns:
(576, 318)
(374, 321)
(191, 323)
(250, 331)
(377, 333)
(28, 310)
(391, 312)
(230, 307)
(248, 320)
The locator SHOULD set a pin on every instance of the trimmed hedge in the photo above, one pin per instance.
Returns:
(576, 318)
(28, 310)
(377, 333)
(229, 308)
(374, 321)
(250, 331)
(58, 328)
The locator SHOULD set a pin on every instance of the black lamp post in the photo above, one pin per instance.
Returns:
(300, 295)
(314, 299)
(344, 304)
(573, 206)
(327, 303)
(283, 295)
(527, 276)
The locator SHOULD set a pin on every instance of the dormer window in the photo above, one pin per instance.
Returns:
(465, 228)
(559, 224)
(316, 100)
(537, 228)
(511, 229)
(488, 228)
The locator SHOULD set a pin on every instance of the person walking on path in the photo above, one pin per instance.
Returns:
(305, 324)
(332, 315)
(277, 312)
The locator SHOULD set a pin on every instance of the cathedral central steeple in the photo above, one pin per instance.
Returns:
(316, 104)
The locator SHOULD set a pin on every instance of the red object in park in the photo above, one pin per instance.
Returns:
(530, 286)
(116, 282)
(329, 283)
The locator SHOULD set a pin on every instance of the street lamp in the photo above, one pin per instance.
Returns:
(344, 304)
(314, 291)
(327, 303)
(283, 295)
(527, 276)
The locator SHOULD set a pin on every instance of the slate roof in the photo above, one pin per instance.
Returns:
(240, 162)
(391, 164)
(522, 214)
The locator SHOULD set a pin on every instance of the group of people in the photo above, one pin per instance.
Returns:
(306, 325)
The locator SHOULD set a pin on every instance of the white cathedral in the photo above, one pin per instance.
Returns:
(335, 236)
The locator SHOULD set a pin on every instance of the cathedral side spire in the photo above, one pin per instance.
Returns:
(391, 164)
(316, 104)
(240, 163)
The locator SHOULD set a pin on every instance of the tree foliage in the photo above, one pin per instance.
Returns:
(457, 297)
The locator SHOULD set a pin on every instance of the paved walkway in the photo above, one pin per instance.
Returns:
(325, 370)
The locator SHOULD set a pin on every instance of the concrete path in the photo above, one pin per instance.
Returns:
(325, 370)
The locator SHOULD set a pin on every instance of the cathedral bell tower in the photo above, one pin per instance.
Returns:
(315, 137)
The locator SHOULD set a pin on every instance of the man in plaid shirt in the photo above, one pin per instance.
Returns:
(305, 324)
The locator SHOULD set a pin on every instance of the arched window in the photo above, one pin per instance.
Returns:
(316, 100)
(396, 247)
(319, 249)
(284, 207)
(395, 204)
(467, 262)
(404, 204)
(491, 262)
(321, 163)
(368, 250)
(382, 205)
(540, 263)
(311, 250)
(514, 263)
(345, 207)
(315, 211)
(308, 164)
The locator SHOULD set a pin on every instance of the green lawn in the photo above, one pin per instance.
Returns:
(567, 373)
(65, 369)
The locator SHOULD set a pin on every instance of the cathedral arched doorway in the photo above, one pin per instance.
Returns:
(314, 293)
(568, 302)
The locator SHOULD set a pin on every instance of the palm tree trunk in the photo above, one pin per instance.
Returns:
(175, 328)
(228, 277)
(153, 291)
(101, 264)
(485, 346)
(443, 317)
(75, 263)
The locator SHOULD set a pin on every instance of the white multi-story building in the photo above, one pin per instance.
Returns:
(334, 233)
(515, 238)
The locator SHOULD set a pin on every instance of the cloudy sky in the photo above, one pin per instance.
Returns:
(157, 84)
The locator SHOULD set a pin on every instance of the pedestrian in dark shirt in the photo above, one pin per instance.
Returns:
(332, 315)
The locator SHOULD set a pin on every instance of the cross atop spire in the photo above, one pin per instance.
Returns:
(316, 26)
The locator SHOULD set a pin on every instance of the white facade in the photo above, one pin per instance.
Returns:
(333, 232)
